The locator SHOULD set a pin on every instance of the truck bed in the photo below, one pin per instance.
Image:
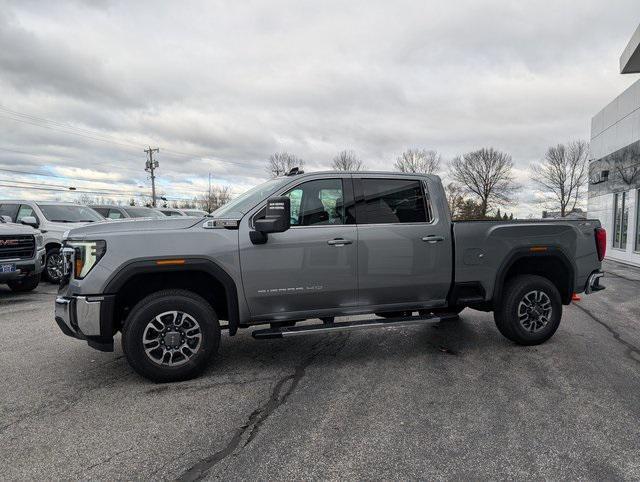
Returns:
(483, 250)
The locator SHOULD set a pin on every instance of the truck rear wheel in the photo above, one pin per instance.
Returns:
(25, 284)
(170, 336)
(530, 310)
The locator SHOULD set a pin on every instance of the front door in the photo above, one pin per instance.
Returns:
(311, 268)
(404, 247)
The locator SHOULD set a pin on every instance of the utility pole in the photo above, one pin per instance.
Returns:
(150, 167)
(209, 206)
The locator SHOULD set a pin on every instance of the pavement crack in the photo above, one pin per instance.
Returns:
(616, 275)
(107, 460)
(277, 398)
(631, 348)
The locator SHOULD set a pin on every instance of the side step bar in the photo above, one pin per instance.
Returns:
(349, 325)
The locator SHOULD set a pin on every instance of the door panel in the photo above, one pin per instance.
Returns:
(299, 270)
(404, 249)
(313, 265)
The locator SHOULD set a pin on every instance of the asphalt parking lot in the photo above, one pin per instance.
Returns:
(454, 400)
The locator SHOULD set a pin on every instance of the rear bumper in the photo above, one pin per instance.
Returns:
(593, 282)
(87, 318)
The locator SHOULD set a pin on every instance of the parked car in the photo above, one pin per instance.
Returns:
(22, 255)
(319, 245)
(199, 213)
(52, 219)
(124, 212)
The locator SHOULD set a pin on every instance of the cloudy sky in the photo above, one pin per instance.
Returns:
(220, 85)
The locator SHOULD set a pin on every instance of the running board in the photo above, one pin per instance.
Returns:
(349, 325)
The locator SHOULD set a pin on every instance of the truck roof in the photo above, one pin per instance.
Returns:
(27, 201)
(365, 173)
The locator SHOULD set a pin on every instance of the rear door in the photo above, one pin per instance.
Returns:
(311, 268)
(404, 245)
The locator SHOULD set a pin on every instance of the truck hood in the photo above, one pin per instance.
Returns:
(134, 225)
(9, 229)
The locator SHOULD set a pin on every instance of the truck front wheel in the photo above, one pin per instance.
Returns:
(170, 336)
(530, 310)
(25, 284)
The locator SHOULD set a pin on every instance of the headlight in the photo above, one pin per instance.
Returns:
(39, 241)
(86, 255)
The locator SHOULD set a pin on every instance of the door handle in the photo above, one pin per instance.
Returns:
(433, 239)
(339, 242)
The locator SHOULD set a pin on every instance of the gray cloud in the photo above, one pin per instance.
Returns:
(228, 83)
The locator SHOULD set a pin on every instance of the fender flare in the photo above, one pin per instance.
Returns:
(552, 251)
(149, 265)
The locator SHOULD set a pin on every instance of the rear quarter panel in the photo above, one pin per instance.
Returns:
(484, 248)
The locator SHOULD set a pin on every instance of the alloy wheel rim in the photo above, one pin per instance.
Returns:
(534, 311)
(55, 266)
(172, 338)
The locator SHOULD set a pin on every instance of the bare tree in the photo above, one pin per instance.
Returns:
(486, 174)
(625, 165)
(214, 197)
(281, 163)
(562, 174)
(455, 198)
(347, 161)
(418, 160)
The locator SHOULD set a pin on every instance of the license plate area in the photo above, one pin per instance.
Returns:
(8, 268)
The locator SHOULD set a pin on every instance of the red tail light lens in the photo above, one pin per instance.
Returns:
(601, 242)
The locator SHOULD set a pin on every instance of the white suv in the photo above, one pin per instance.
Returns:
(52, 219)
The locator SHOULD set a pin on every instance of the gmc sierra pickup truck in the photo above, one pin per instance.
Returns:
(21, 255)
(316, 246)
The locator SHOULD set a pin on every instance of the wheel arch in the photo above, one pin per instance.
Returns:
(551, 262)
(194, 274)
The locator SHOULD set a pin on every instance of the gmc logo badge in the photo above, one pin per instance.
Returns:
(8, 242)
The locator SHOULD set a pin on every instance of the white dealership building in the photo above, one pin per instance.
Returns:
(614, 169)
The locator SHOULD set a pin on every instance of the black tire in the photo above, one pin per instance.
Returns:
(52, 267)
(394, 314)
(28, 283)
(138, 324)
(522, 289)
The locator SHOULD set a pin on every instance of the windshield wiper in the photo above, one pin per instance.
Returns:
(61, 221)
(86, 221)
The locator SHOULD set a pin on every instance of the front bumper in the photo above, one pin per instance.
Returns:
(24, 267)
(87, 318)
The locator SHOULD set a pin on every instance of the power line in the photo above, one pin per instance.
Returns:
(94, 135)
(82, 191)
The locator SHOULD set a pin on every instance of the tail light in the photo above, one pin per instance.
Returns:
(601, 242)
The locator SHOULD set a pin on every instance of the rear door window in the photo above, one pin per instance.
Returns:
(388, 201)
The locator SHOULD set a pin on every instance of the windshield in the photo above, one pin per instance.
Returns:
(68, 213)
(144, 213)
(248, 199)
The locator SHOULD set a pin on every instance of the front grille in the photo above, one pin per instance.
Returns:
(17, 247)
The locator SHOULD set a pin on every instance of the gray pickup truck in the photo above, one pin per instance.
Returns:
(21, 255)
(316, 246)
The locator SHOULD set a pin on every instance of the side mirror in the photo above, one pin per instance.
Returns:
(29, 221)
(277, 219)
